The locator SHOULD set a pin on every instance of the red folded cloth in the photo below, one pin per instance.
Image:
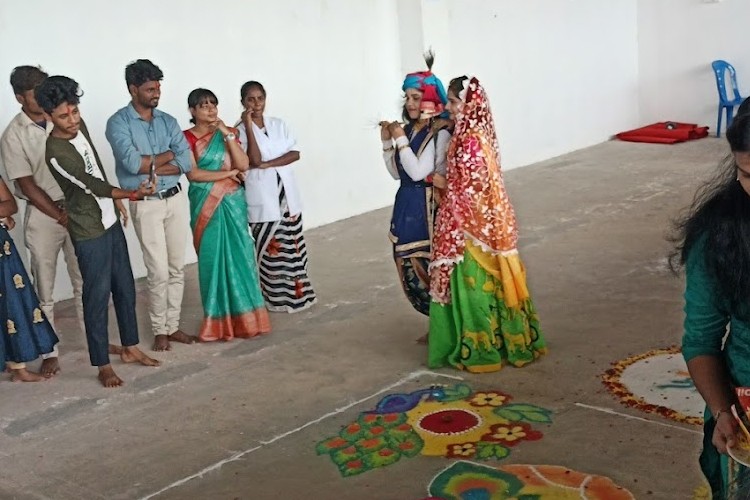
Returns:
(664, 133)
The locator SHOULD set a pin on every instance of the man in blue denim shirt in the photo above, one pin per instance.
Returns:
(147, 141)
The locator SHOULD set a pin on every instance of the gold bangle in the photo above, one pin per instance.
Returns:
(403, 146)
(390, 148)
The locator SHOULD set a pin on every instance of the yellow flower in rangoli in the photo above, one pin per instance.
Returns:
(463, 450)
(18, 280)
(38, 315)
(510, 434)
(488, 399)
(11, 327)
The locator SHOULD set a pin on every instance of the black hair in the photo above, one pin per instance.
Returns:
(456, 86)
(57, 90)
(251, 85)
(25, 78)
(744, 107)
(201, 96)
(720, 213)
(141, 71)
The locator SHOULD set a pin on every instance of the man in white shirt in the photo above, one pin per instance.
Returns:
(22, 151)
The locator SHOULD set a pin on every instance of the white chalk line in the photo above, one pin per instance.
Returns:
(333, 413)
(632, 417)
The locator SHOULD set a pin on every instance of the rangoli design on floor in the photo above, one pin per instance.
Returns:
(453, 422)
(657, 382)
(468, 480)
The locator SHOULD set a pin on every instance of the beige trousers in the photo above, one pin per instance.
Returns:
(44, 239)
(162, 227)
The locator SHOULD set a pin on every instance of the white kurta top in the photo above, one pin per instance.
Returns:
(261, 189)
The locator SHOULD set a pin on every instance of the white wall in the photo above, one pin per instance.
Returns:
(330, 68)
(561, 75)
(677, 41)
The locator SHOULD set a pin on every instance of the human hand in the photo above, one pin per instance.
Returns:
(234, 175)
(385, 134)
(219, 124)
(123, 212)
(147, 187)
(396, 130)
(63, 218)
(9, 222)
(437, 196)
(246, 118)
(439, 181)
(725, 432)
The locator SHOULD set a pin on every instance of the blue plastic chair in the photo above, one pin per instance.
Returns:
(725, 103)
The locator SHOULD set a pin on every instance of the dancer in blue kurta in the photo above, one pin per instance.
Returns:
(415, 155)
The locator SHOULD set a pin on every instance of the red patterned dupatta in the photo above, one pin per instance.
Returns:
(475, 214)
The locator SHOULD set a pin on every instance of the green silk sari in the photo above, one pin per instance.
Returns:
(230, 289)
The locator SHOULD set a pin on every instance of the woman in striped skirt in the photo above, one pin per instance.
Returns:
(274, 205)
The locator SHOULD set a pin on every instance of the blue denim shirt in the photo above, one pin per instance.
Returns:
(132, 137)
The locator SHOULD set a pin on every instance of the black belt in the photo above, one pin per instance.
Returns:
(164, 193)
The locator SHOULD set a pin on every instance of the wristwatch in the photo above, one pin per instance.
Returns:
(230, 136)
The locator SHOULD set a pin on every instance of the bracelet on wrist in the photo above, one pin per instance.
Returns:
(133, 196)
(389, 148)
(403, 146)
(719, 414)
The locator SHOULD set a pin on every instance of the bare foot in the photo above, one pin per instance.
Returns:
(182, 337)
(115, 349)
(50, 367)
(108, 377)
(423, 340)
(161, 343)
(132, 354)
(23, 375)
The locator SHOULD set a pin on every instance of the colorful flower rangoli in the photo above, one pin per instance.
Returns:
(658, 382)
(464, 480)
(453, 422)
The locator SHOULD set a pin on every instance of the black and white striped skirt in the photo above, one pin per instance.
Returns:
(282, 261)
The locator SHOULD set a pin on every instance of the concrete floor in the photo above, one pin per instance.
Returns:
(240, 420)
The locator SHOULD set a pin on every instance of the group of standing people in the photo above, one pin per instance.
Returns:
(454, 230)
(244, 211)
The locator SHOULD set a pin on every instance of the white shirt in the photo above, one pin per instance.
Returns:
(261, 188)
(431, 160)
(109, 217)
(22, 149)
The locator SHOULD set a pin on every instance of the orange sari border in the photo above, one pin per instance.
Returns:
(213, 200)
(245, 326)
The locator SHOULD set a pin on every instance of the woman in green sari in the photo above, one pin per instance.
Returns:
(713, 246)
(230, 289)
